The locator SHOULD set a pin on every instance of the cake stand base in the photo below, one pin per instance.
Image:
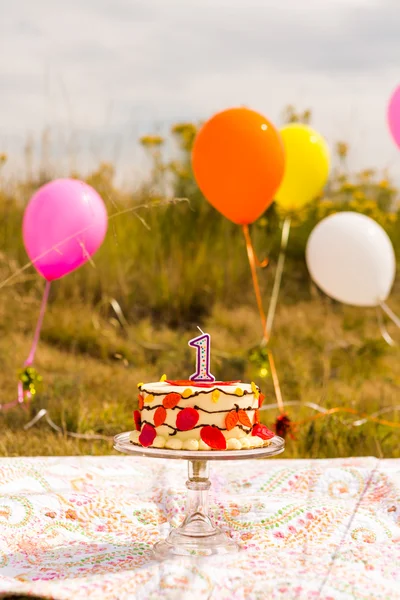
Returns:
(197, 536)
(179, 545)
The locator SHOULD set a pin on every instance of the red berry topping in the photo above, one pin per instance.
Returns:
(262, 431)
(171, 400)
(141, 401)
(213, 437)
(137, 419)
(187, 419)
(147, 436)
(159, 416)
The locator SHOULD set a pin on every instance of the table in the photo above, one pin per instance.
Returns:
(83, 527)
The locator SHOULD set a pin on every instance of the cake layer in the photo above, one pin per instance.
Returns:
(194, 416)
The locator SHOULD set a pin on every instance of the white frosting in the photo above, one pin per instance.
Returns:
(211, 412)
(245, 442)
(163, 387)
(159, 441)
(203, 446)
(163, 430)
(174, 443)
(233, 444)
(134, 436)
(191, 445)
(236, 432)
(256, 442)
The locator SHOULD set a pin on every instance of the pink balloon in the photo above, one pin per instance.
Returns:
(64, 224)
(394, 115)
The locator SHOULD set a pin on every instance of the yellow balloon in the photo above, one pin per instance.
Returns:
(307, 166)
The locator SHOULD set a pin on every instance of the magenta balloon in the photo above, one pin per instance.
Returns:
(64, 224)
(394, 115)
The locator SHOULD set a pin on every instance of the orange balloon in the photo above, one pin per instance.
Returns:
(238, 162)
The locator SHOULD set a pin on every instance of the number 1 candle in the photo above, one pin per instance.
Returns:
(202, 345)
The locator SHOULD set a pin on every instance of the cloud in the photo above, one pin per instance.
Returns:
(64, 65)
(329, 37)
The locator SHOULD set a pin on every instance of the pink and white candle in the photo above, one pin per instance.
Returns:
(202, 345)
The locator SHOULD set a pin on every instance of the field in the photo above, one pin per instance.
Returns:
(170, 263)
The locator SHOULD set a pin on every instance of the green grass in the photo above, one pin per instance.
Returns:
(171, 269)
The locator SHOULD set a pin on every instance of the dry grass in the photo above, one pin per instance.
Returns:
(324, 354)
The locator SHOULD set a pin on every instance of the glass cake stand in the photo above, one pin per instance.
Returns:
(197, 536)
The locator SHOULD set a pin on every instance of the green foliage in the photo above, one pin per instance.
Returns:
(171, 262)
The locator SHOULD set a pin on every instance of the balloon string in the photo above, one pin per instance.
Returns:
(390, 314)
(351, 411)
(261, 263)
(39, 324)
(278, 275)
(382, 328)
(250, 248)
(275, 381)
(36, 337)
(256, 285)
(20, 396)
(253, 264)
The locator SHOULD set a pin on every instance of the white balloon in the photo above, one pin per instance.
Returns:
(351, 258)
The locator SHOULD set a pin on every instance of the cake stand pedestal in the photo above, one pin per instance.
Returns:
(197, 536)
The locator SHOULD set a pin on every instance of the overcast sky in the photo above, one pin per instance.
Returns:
(99, 73)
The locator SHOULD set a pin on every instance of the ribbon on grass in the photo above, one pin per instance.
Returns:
(283, 428)
(43, 414)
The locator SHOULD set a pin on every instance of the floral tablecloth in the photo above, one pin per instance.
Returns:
(83, 527)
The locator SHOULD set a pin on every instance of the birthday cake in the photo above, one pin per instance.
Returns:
(199, 413)
(190, 415)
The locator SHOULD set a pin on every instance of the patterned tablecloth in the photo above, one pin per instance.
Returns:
(83, 527)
